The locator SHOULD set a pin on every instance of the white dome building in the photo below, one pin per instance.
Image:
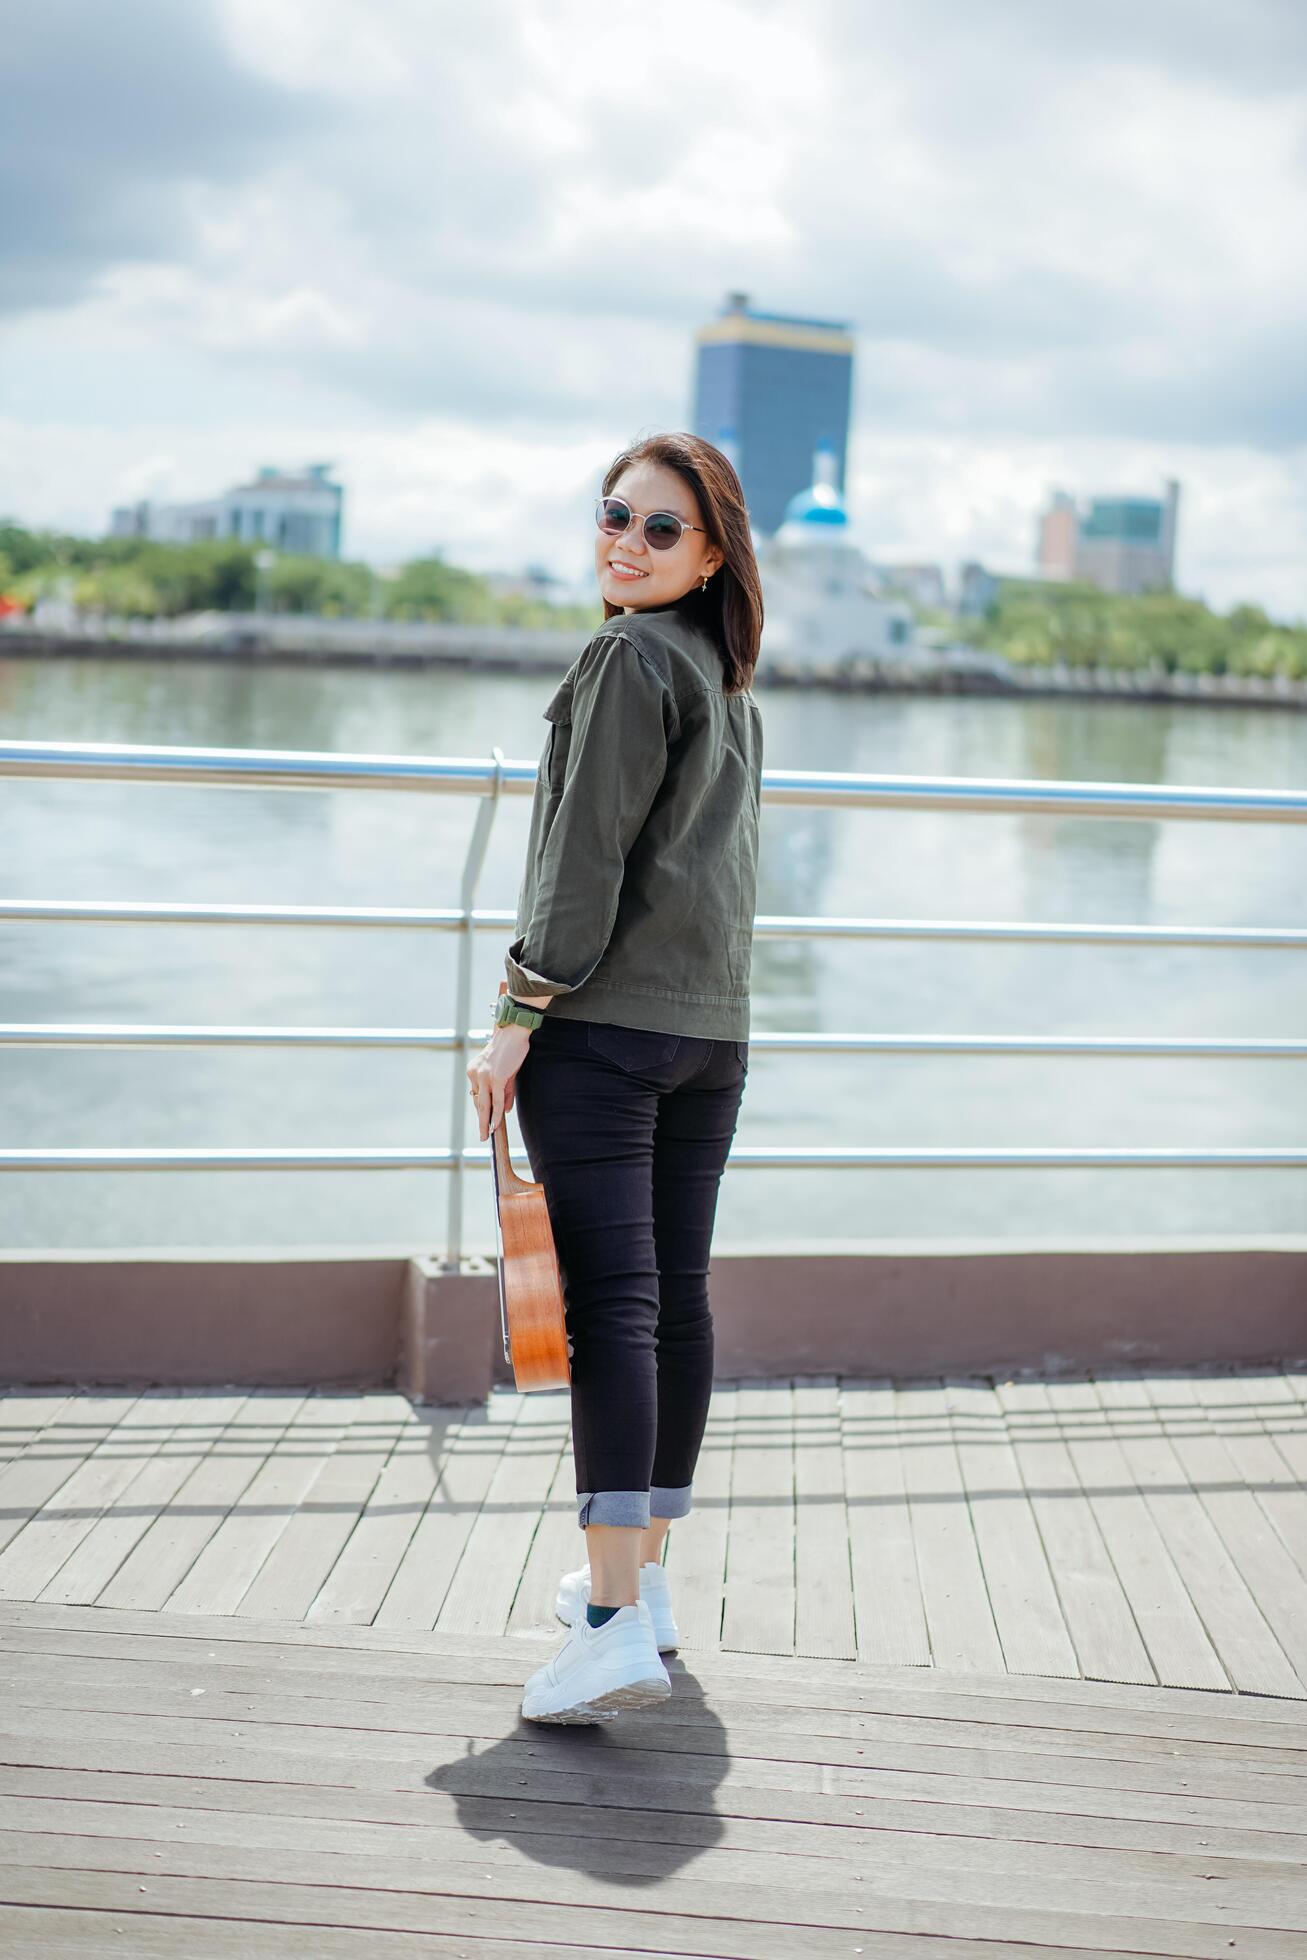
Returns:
(821, 594)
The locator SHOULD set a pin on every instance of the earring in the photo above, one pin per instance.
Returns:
(704, 586)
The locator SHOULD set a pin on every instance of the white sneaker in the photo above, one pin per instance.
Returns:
(599, 1671)
(655, 1591)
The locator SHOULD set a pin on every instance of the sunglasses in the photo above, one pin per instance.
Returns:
(662, 528)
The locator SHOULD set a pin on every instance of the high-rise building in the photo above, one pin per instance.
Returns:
(1121, 544)
(1059, 530)
(299, 513)
(770, 390)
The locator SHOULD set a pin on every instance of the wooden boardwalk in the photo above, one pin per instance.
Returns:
(1134, 1528)
(969, 1667)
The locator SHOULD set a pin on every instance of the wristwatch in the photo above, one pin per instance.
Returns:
(512, 1013)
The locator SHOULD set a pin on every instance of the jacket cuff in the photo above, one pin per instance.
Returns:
(524, 980)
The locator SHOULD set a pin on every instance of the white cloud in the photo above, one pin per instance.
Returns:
(404, 236)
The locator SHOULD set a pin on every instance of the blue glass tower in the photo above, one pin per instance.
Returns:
(770, 390)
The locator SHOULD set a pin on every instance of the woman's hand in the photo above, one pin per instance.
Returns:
(491, 1074)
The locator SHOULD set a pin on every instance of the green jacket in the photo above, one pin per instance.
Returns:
(638, 898)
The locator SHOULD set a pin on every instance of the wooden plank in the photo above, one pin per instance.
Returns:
(322, 1843)
(730, 1884)
(31, 1561)
(590, 1805)
(1099, 1621)
(558, 1545)
(321, 1850)
(24, 1415)
(661, 1823)
(68, 1934)
(888, 1607)
(479, 1597)
(1269, 1446)
(760, 1601)
(429, 1912)
(53, 1456)
(288, 1581)
(229, 1562)
(776, 1733)
(782, 1734)
(764, 1677)
(690, 1916)
(1282, 1412)
(958, 1613)
(823, 1622)
(1251, 1539)
(430, 1714)
(305, 1739)
(470, 1448)
(63, 1933)
(387, 1683)
(163, 1555)
(1249, 1652)
(1022, 1594)
(1180, 1651)
(358, 1582)
(121, 1526)
(695, 1557)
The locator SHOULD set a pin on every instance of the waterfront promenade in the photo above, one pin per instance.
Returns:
(270, 641)
(1001, 1648)
(969, 1666)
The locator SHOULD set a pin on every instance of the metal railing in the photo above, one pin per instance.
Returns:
(489, 781)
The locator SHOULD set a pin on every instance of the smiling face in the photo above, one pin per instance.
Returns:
(630, 574)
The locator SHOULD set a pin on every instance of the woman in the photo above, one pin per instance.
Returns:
(623, 1037)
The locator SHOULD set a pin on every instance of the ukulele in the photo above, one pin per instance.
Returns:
(531, 1313)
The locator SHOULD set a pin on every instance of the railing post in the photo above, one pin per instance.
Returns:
(460, 1100)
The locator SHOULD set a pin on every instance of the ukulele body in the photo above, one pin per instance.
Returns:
(531, 1307)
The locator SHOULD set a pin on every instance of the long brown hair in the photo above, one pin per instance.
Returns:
(731, 608)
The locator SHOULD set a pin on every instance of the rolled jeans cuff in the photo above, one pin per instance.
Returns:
(612, 1507)
(632, 1507)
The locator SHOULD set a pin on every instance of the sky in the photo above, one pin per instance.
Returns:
(460, 252)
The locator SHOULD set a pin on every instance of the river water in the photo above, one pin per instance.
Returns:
(111, 840)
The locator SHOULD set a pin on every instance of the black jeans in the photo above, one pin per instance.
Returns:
(628, 1132)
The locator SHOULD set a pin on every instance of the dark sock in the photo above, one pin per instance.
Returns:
(599, 1615)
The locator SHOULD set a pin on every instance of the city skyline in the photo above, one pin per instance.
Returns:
(454, 252)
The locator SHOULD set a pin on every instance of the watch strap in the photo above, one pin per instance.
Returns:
(515, 1013)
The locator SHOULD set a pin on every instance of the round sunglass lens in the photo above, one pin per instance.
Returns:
(661, 530)
(614, 516)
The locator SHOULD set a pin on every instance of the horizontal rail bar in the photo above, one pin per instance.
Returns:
(766, 925)
(744, 1156)
(461, 775)
(173, 912)
(149, 1034)
(1068, 799)
(145, 1034)
(145, 762)
(799, 926)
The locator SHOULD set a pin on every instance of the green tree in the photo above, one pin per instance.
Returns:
(1031, 622)
(428, 588)
(322, 587)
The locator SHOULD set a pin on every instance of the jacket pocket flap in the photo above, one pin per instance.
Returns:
(559, 705)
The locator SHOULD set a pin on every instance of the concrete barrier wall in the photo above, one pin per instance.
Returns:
(903, 1309)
